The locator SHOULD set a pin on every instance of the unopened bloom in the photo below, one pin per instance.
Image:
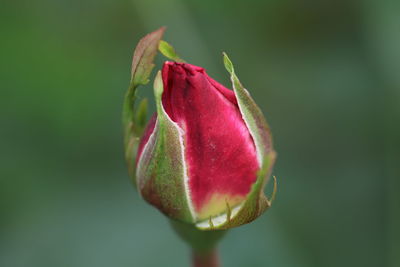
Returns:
(206, 154)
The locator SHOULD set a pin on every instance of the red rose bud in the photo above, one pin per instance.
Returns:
(207, 153)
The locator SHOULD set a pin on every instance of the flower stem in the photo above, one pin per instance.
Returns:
(205, 259)
(203, 243)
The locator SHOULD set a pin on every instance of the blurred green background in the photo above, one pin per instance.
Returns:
(326, 74)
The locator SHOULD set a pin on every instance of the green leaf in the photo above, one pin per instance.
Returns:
(142, 65)
(143, 57)
(168, 51)
(228, 63)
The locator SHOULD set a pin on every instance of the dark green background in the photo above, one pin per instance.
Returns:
(325, 73)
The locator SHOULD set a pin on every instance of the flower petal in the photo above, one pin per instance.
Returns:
(220, 152)
(256, 202)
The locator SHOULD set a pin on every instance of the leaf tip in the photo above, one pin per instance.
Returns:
(227, 63)
(169, 51)
(158, 85)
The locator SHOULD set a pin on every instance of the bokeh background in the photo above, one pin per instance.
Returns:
(326, 74)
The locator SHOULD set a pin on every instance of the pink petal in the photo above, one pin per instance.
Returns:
(219, 150)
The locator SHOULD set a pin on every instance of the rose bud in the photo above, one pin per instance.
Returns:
(206, 155)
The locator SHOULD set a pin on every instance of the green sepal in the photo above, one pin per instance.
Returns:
(256, 202)
(161, 170)
(251, 113)
(141, 116)
(142, 65)
(168, 51)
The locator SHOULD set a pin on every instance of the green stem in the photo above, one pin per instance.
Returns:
(203, 243)
(205, 259)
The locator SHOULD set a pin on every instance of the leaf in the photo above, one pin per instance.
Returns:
(142, 65)
(143, 57)
(168, 51)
